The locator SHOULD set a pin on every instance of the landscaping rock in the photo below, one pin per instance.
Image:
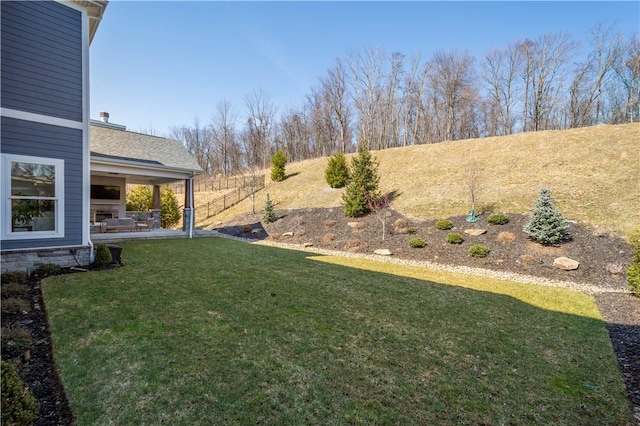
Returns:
(475, 232)
(383, 252)
(353, 224)
(307, 244)
(566, 264)
(288, 234)
(256, 231)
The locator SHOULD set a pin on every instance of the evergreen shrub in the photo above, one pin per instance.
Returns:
(477, 250)
(498, 219)
(19, 407)
(546, 224)
(337, 171)
(417, 243)
(411, 230)
(102, 257)
(454, 238)
(444, 225)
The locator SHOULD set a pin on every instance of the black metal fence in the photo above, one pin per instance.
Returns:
(249, 186)
(211, 184)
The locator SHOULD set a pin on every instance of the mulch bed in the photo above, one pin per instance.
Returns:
(602, 260)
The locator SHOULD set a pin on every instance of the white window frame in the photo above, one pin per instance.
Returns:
(58, 231)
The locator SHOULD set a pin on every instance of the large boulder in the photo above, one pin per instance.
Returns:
(566, 264)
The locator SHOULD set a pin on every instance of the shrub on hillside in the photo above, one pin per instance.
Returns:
(546, 224)
(337, 171)
(444, 225)
(363, 183)
(19, 407)
(454, 238)
(498, 219)
(417, 243)
(411, 230)
(278, 163)
(268, 215)
(633, 271)
(477, 250)
(103, 256)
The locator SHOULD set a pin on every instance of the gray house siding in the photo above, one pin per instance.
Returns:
(42, 58)
(42, 140)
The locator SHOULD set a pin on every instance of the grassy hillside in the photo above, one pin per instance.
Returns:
(593, 173)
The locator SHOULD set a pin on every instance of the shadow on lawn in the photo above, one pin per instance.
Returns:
(251, 231)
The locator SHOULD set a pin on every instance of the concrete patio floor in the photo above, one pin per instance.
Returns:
(111, 237)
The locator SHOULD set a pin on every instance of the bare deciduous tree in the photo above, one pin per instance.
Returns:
(260, 125)
(500, 68)
(451, 78)
(224, 137)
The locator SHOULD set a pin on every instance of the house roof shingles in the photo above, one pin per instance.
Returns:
(112, 143)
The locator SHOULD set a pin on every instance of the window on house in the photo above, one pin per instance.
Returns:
(33, 188)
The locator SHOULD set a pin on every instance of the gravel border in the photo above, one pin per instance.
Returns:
(466, 270)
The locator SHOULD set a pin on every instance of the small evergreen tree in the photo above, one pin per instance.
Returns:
(278, 162)
(169, 208)
(140, 199)
(268, 215)
(103, 256)
(363, 183)
(546, 224)
(337, 172)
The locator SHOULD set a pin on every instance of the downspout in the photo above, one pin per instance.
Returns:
(91, 255)
(191, 212)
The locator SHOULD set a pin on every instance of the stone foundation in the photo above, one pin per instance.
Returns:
(27, 261)
(186, 216)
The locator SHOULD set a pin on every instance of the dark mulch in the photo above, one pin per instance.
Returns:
(603, 258)
(34, 361)
(600, 256)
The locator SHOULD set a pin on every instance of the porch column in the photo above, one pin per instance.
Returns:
(188, 204)
(155, 210)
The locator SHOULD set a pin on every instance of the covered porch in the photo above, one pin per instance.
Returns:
(119, 158)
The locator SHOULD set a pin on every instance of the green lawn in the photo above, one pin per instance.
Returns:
(212, 331)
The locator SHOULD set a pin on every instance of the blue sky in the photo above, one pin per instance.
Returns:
(157, 64)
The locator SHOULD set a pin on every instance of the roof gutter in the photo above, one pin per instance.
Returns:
(115, 162)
